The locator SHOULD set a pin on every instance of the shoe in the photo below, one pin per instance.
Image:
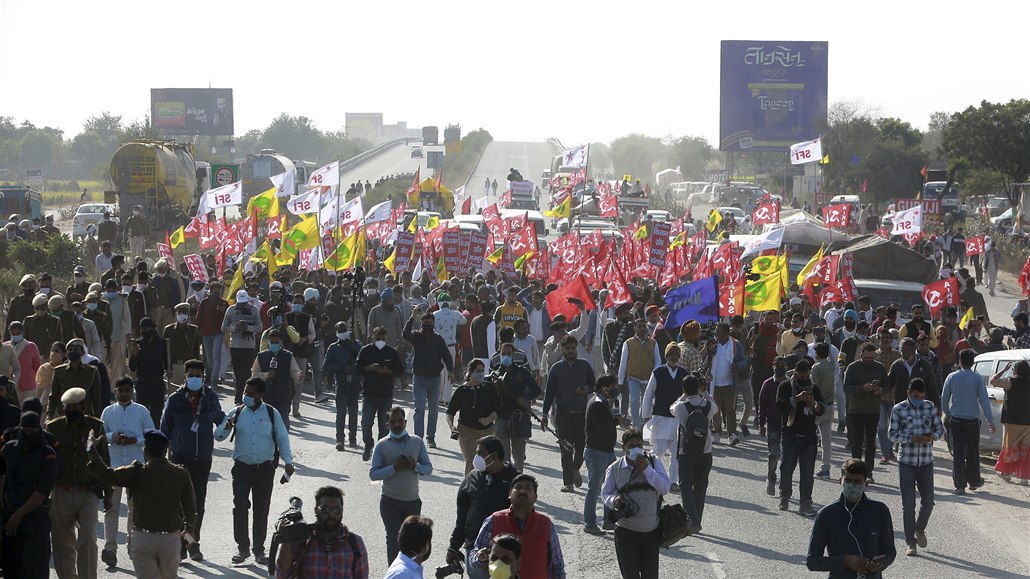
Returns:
(840, 429)
(260, 558)
(694, 529)
(195, 553)
(577, 479)
(921, 538)
(717, 438)
(784, 504)
(734, 440)
(593, 530)
(824, 473)
(431, 443)
(974, 486)
(1005, 477)
(885, 460)
(240, 557)
(366, 455)
(770, 488)
(744, 430)
(807, 510)
(340, 447)
(960, 491)
(182, 553)
(675, 488)
(568, 489)
(607, 526)
(321, 399)
(912, 551)
(109, 558)
(353, 443)
(296, 414)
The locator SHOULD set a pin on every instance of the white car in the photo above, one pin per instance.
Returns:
(986, 365)
(88, 213)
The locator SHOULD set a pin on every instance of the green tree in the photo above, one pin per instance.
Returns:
(691, 155)
(105, 125)
(993, 137)
(39, 149)
(933, 139)
(637, 155)
(296, 137)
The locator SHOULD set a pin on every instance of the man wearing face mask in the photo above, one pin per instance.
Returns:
(183, 340)
(431, 357)
(20, 306)
(148, 359)
(916, 326)
(799, 403)
(277, 366)
(121, 329)
(74, 502)
(483, 491)
(167, 293)
(660, 426)
(41, 328)
(378, 363)
(303, 348)
(260, 441)
(331, 549)
(599, 451)
(864, 382)
(80, 285)
(28, 468)
(243, 323)
(398, 460)
(124, 424)
(190, 416)
(210, 314)
(91, 334)
(899, 375)
(914, 426)
(633, 487)
(415, 542)
(518, 388)
(137, 232)
(74, 374)
(847, 330)
(769, 421)
(70, 325)
(852, 537)
(341, 364)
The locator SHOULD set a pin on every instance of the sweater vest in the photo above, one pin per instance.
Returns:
(535, 540)
(640, 362)
(667, 390)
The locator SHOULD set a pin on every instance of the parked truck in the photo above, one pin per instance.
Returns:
(22, 200)
(430, 136)
(160, 176)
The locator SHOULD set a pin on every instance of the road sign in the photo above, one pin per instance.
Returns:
(434, 159)
(224, 174)
(34, 176)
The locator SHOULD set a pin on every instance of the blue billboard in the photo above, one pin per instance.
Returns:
(773, 94)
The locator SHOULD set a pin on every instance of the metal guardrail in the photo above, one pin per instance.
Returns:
(374, 151)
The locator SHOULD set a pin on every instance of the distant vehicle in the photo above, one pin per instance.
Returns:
(1006, 218)
(588, 225)
(91, 213)
(423, 218)
(545, 177)
(24, 201)
(532, 216)
(430, 136)
(881, 291)
(935, 190)
(658, 215)
(256, 170)
(740, 194)
(996, 206)
(987, 365)
(417, 152)
(743, 219)
(160, 176)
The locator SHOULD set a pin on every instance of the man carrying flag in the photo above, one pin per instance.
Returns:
(714, 219)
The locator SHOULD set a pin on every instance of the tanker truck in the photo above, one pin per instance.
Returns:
(160, 176)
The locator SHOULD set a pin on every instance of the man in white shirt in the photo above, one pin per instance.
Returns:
(526, 341)
(124, 423)
(416, 542)
(447, 322)
(723, 390)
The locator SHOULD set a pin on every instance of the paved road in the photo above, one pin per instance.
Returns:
(531, 159)
(396, 159)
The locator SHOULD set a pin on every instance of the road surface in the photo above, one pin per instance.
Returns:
(393, 161)
(531, 159)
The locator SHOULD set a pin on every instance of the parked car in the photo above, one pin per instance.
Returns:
(986, 365)
(88, 213)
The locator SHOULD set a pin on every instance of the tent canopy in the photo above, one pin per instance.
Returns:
(878, 258)
(428, 185)
(804, 230)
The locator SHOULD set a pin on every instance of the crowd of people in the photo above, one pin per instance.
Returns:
(124, 379)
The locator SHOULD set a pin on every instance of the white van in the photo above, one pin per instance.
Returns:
(534, 217)
(986, 365)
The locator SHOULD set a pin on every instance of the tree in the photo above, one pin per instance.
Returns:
(993, 137)
(637, 155)
(105, 125)
(691, 155)
(296, 137)
(933, 139)
(600, 160)
(39, 150)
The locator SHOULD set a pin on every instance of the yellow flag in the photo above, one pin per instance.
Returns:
(304, 235)
(266, 204)
(388, 263)
(237, 283)
(496, 256)
(521, 261)
(809, 267)
(784, 271)
(640, 233)
(968, 317)
(713, 220)
(765, 265)
(563, 211)
(764, 294)
(433, 223)
(680, 239)
(441, 269)
(177, 238)
(825, 160)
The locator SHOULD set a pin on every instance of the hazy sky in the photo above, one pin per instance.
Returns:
(524, 70)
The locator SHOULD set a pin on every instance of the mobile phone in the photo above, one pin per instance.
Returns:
(285, 479)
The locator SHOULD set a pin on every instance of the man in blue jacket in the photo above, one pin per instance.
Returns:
(189, 420)
(341, 362)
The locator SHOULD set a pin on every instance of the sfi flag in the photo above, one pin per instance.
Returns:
(838, 216)
(941, 294)
(731, 299)
(766, 212)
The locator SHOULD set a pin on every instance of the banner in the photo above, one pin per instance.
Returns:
(304, 204)
(477, 250)
(405, 243)
(163, 250)
(908, 221)
(195, 265)
(806, 152)
(731, 299)
(697, 300)
(452, 251)
(659, 243)
(941, 294)
(224, 196)
(974, 245)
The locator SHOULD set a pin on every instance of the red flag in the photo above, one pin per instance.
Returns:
(865, 185)
(608, 205)
(838, 216)
(505, 199)
(1024, 278)
(194, 229)
(924, 172)
(439, 180)
(825, 271)
(766, 212)
(466, 207)
(731, 298)
(414, 194)
(882, 232)
(975, 245)
(941, 294)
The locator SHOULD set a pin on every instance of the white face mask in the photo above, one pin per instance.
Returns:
(44, 290)
(142, 287)
(182, 318)
(343, 335)
(126, 289)
(479, 463)
(380, 344)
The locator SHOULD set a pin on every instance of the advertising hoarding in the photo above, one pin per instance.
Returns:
(192, 111)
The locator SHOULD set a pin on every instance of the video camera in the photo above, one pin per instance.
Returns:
(449, 569)
(290, 529)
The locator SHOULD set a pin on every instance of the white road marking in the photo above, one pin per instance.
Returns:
(713, 558)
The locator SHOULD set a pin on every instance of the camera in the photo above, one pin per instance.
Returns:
(454, 435)
(448, 570)
(290, 529)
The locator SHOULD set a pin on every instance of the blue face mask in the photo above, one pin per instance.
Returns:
(297, 308)
(506, 360)
(852, 491)
(635, 453)
(274, 348)
(194, 383)
(277, 320)
(111, 295)
(92, 306)
(17, 339)
(395, 436)
(249, 401)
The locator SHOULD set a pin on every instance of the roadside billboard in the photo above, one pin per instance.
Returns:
(192, 111)
(773, 94)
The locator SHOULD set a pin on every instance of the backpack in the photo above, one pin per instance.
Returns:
(693, 433)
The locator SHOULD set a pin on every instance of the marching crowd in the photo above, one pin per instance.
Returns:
(122, 381)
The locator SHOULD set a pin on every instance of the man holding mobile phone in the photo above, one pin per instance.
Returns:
(862, 383)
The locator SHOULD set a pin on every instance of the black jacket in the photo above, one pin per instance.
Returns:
(431, 352)
(478, 498)
(152, 361)
(601, 426)
(379, 385)
(835, 534)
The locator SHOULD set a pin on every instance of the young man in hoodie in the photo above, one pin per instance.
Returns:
(189, 420)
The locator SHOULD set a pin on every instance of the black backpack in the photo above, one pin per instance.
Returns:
(693, 434)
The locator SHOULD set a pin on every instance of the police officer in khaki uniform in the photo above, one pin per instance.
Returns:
(164, 510)
(183, 339)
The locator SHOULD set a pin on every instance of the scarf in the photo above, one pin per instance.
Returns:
(616, 356)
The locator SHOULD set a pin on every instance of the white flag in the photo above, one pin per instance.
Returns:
(303, 204)
(327, 176)
(224, 196)
(768, 240)
(380, 212)
(350, 211)
(908, 221)
(285, 183)
(575, 156)
(481, 202)
(806, 152)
